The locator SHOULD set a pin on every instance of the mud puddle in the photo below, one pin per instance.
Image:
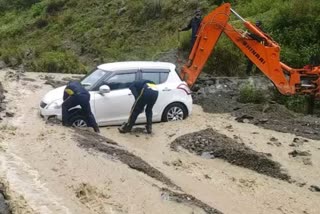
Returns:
(211, 144)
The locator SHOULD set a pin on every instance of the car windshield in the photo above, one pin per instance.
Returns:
(93, 78)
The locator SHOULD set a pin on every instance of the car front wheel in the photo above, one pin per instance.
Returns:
(174, 112)
(78, 121)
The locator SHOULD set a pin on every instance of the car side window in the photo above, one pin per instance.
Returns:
(121, 81)
(158, 76)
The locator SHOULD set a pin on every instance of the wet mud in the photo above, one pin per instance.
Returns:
(50, 80)
(221, 95)
(4, 203)
(211, 144)
(90, 140)
(188, 200)
(2, 97)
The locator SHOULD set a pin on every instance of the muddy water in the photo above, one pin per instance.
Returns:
(48, 172)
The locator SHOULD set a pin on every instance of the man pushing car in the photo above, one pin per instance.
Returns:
(146, 94)
(75, 94)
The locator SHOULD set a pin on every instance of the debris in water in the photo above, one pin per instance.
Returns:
(212, 144)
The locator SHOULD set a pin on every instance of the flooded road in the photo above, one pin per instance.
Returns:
(49, 170)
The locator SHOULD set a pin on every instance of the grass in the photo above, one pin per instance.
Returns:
(71, 36)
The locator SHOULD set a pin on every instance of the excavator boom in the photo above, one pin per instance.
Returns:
(259, 47)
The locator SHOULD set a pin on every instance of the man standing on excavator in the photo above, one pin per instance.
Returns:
(194, 26)
(146, 94)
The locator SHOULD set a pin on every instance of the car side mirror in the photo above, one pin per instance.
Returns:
(104, 89)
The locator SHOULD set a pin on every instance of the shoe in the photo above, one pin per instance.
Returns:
(124, 128)
(149, 129)
(96, 129)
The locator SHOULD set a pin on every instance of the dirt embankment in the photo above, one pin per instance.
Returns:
(211, 144)
(221, 95)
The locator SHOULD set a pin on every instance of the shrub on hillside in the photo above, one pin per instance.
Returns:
(250, 94)
(55, 6)
(57, 62)
(16, 4)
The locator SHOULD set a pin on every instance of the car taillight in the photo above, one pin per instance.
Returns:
(185, 88)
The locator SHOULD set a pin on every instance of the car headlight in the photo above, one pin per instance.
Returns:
(55, 104)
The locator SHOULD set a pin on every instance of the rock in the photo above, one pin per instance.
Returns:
(265, 108)
(307, 161)
(296, 140)
(265, 120)
(295, 153)
(9, 114)
(2, 64)
(207, 176)
(273, 139)
(314, 188)
(244, 118)
(229, 127)
(177, 163)
(277, 144)
(122, 11)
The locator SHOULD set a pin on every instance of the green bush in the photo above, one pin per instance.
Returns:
(57, 62)
(250, 94)
(297, 103)
(11, 56)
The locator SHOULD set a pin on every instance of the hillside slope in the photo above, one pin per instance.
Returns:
(71, 36)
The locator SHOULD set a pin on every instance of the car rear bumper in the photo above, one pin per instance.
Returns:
(189, 103)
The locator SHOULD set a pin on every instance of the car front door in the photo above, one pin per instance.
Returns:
(114, 107)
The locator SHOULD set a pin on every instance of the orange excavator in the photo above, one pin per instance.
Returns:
(263, 52)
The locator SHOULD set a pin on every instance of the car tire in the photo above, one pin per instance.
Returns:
(78, 121)
(174, 112)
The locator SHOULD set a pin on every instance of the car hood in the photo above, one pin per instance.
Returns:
(54, 95)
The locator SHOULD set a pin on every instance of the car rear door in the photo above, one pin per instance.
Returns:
(159, 77)
(114, 107)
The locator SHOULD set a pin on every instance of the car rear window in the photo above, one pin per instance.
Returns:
(158, 76)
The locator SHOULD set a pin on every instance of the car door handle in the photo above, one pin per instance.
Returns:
(166, 89)
(130, 94)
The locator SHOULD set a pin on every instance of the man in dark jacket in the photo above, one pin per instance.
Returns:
(146, 94)
(75, 94)
(194, 26)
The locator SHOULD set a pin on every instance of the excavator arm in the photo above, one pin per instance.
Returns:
(264, 52)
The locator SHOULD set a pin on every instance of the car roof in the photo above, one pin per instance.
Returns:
(114, 66)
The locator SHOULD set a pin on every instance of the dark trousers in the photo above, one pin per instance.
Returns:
(84, 101)
(192, 41)
(147, 98)
(249, 67)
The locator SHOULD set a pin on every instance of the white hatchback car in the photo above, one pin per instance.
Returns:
(111, 100)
